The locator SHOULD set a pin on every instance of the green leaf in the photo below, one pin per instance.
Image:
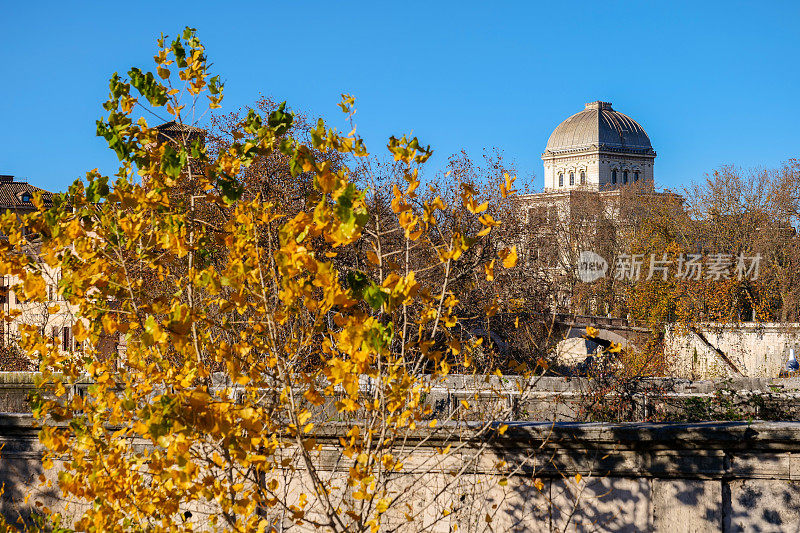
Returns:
(280, 120)
(180, 53)
(97, 189)
(364, 288)
(252, 122)
(357, 281)
(230, 188)
(375, 297)
(148, 87)
(380, 336)
(198, 150)
(215, 86)
(172, 162)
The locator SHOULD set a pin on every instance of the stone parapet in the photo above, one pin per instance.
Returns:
(633, 477)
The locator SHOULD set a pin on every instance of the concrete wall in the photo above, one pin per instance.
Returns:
(633, 477)
(756, 350)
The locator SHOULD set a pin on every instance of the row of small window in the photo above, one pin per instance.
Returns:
(583, 177)
(571, 178)
(60, 335)
(624, 176)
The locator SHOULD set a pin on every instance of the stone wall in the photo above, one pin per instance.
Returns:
(633, 477)
(753, 350)
(557, 399)
(713, 476)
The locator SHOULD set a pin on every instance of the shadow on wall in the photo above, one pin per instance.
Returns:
(20, 471)
(644, 485)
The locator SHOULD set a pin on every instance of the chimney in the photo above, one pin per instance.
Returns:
(5, 178)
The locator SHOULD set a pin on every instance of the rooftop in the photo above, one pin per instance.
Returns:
(18, 195)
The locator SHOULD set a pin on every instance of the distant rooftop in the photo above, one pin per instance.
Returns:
(173, 126)
(18, 195)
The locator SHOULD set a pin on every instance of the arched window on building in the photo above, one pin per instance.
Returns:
(624, 177)
(614, 176)
(636, 175)
(561, 180)
(572, 178)
(583, 177)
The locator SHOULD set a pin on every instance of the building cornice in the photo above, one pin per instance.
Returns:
(598, 150)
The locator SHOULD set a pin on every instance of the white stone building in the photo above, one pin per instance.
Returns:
(588, 160)
(594, 162)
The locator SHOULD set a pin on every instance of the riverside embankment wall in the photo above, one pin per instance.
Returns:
(634, 477)
(708, 476)
(559, 399)
(709, 351)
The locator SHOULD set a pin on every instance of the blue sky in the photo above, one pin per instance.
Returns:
(712, 83)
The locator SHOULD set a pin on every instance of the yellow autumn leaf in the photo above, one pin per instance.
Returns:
(488, 268)
(34, 286)
(509, 256)
(382, 505)
(79, 331)
(506, 189)
(488, 221)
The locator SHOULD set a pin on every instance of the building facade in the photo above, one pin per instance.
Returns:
(54, 317)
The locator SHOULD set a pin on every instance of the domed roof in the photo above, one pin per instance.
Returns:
(599, 126)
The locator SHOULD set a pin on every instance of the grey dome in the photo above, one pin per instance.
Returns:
(599, 126)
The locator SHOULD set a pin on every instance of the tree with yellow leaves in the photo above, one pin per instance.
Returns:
(260, 383)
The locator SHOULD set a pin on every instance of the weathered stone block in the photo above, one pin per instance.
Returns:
(695, 462)
(686, 506)
(763, 505)
(600, 504)
(483, 504)
(761, 465)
